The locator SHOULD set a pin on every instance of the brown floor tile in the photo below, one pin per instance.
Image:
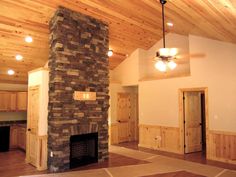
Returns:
(175, 174)
(198, 157)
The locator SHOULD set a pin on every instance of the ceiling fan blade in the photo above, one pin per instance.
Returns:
(180, 62)
(120, 54)
(188, 56)
(198, 55)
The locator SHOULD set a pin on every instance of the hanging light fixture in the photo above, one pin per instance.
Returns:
(165, 56)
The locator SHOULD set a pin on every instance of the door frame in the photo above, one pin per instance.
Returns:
(181, 115)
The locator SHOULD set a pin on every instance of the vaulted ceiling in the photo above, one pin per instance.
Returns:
(133, 24)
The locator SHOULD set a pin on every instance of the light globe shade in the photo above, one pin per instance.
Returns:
(168, 52)
(10, 72)
(161, 66)
(173, 52)
(164, 52)
(110, 53)
(172, 65)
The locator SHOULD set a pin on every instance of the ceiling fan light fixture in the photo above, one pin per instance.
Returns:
(171, 64)
(161, 66)
(164, 52)
(165, 56)
(173, 52)
(168, 52)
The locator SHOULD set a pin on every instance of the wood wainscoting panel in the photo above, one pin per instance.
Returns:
(40, 153)
(160, 138)
(222, 146)
(113, 133)
(170, 139)
(43, 152)
(150, 136)
(122, 132)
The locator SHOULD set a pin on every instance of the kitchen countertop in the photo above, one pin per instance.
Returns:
(21, 123)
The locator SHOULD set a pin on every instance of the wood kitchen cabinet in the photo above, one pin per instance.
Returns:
(21, 138)
(17, 137)
(13, 137)
(13, 101)
(21, 101)
(7, 101)
(3, 101)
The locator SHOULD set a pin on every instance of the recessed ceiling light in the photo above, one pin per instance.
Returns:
(170, 24)
(19, 57)
(28, 39)
(10, 72)
(110, 53)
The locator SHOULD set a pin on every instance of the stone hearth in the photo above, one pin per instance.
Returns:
(78, 62)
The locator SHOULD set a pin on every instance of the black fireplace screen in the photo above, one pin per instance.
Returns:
(83, 149)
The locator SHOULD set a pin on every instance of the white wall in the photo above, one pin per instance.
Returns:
(158, 99)
(41, 78)
(172, 41)
(13, 116)
(127, 73)
(140, 64)
(13, 87)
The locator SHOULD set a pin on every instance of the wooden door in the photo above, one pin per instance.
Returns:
(22, 101)
(32, 125)
(123, 116)
(193, 128)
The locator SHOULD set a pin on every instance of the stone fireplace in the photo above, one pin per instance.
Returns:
(78, 62)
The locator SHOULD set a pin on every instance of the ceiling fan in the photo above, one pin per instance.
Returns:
(168, 58)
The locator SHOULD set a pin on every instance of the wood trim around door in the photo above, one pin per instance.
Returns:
(181, 115)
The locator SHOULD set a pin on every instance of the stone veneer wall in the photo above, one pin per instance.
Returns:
(78, 62)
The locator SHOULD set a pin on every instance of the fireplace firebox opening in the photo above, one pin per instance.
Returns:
(83, 149)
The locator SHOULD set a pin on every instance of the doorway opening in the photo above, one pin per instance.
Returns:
(127, 116)
(124, 119)
(194, 120)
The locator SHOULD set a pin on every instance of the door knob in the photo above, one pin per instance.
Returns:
(29, 129)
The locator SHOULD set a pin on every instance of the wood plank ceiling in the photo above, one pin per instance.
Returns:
(133, 24)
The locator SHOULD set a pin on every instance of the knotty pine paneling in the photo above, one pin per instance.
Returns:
(222, 146)
(159, 138)
(132, 24)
